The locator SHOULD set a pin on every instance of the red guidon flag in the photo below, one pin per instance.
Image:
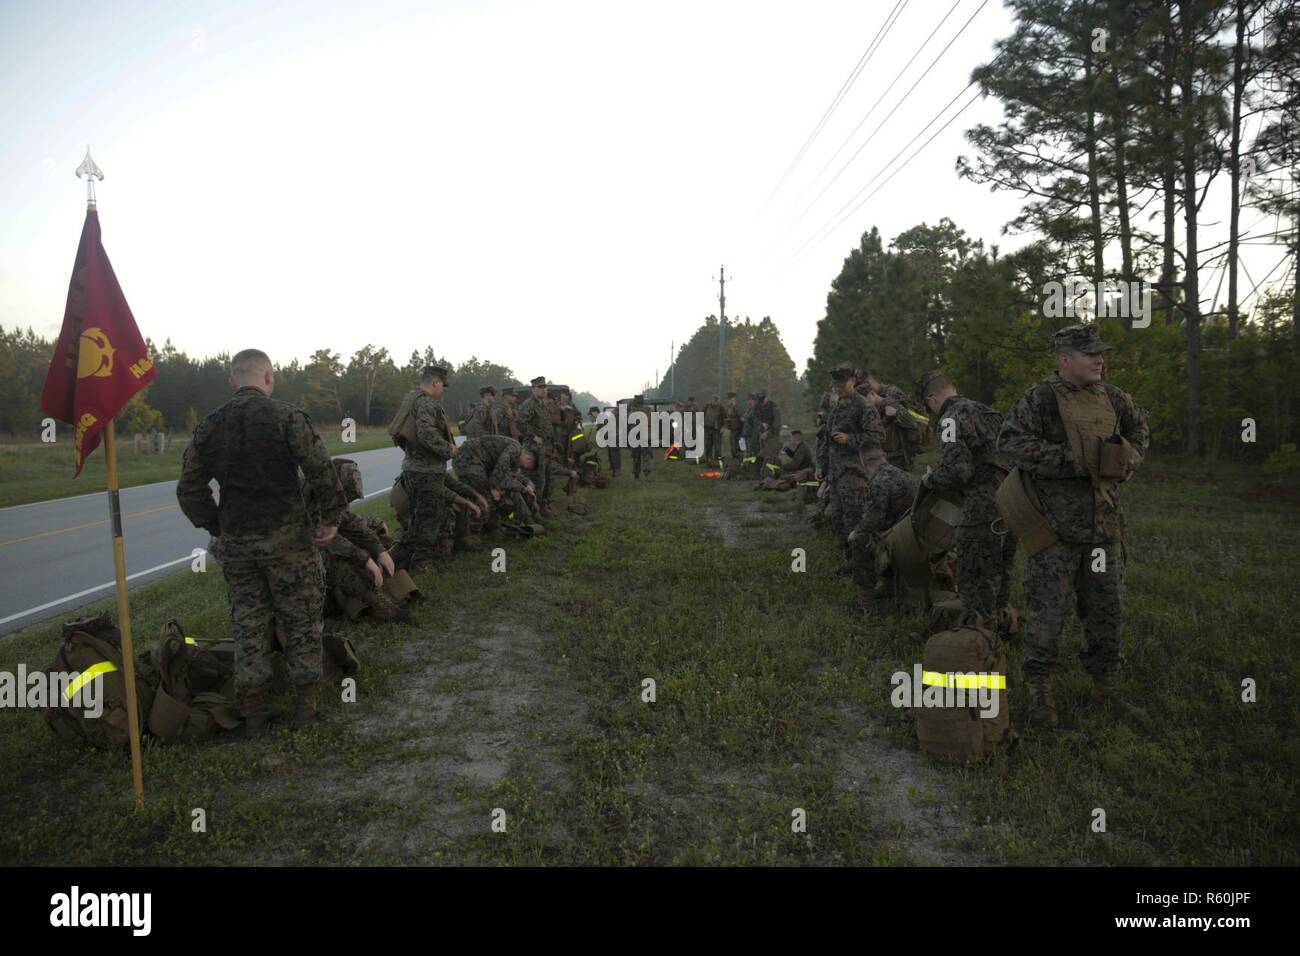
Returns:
(100, 360)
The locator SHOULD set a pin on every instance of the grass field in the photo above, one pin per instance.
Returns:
(522, 691)
(33, 471)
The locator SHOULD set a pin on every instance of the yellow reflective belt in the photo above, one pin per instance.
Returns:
(750, 461)
(190, 640)
(919, 417)
(86, 676)
(577, 436)
(772, 466)
(810, 484)
(967, 681)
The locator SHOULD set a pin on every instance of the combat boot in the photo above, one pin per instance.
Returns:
(1043, 711)
(256, 715)
(304, 714)
(1104, 697)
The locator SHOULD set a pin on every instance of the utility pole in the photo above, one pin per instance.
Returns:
(672, 368)
(722, 335)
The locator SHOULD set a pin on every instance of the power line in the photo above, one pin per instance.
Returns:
(831, 224)
(867, 115)
(839, 96)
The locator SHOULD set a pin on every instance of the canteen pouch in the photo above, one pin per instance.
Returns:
(1114, 457)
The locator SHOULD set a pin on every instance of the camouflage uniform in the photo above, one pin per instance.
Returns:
(507, 417)
(424, 475)
(254, 446)
(492, 462)
(735, 424)
(969, 463)
(890, 493)
(534, 423)
(643, 457)
(1033, 438)
(769, 435)
(482, 422)
(714, 416)
(843, 466)
(801, 459)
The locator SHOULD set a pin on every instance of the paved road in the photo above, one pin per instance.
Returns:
(56, 556)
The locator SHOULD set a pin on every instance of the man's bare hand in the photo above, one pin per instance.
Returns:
(386, 562)
(482, 503)
(890, 411)
(839, 438)
(376, 575)
(496, 494)
(324, 535)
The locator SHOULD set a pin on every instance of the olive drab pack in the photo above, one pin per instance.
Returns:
(92, 649)
(961, 667)
(402, 428)
(1022, 511)
(194, 696)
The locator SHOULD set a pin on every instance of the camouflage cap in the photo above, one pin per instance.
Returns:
(437, 370)
(487, 390)
(843, 372)
(1080, 338)
(874, 453)
(760, 395)
(539, 381)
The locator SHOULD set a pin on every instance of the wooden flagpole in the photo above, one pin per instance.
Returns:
(124, 613)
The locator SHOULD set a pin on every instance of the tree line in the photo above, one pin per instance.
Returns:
(367, 387)
(1118, 117)
(756, 360)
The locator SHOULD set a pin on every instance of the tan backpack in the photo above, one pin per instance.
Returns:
(402, 428)
(956, 663)
(92, 649)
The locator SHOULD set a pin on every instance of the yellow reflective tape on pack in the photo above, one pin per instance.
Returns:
(923, 419)
(86, 676)
(577, 436)
(190, 640)
(772, 466)
(967, 681)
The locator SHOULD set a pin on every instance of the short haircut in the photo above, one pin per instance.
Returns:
(797, 432)
(248, 362)
(937, 383)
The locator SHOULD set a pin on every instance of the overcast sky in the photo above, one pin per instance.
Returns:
(551, 185)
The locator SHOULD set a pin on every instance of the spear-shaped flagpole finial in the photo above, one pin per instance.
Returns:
(92, 172)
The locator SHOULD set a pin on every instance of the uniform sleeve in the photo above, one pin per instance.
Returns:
(193, 493)
(1022, 443)
(870, 430)
(1133, 426)
(355, 540)
(956, 462)
(310, 455)
(823, 450)
(427, 430)
(502, 470)
(877, 506)
(459, 487)
(474, 427)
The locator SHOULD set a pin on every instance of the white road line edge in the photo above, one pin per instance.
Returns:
(100, 587)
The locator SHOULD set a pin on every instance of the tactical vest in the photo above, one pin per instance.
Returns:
(1090, 424)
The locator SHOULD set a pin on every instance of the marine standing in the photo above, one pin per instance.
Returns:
(1077, 438)
(254, 446)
